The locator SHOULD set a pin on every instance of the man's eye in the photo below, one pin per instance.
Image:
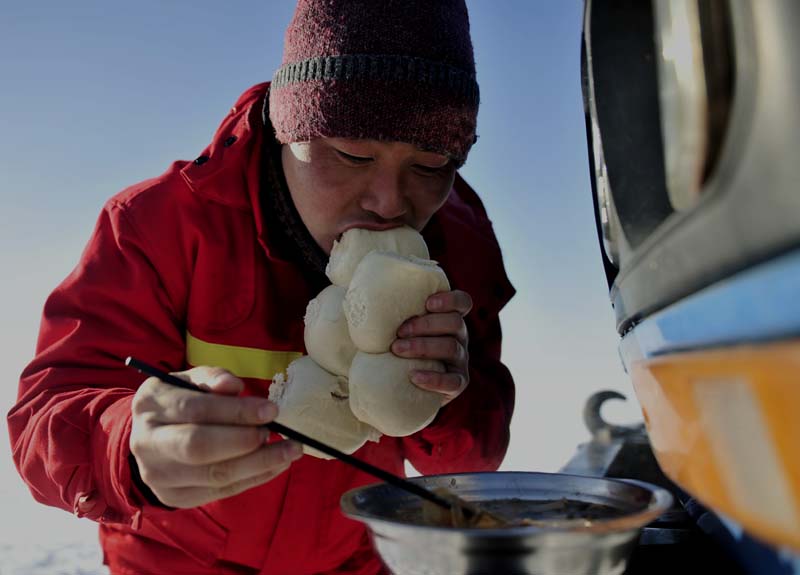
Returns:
(354, 159)
(431, 170)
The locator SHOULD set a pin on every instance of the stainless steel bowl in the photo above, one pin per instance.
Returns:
(599, 547)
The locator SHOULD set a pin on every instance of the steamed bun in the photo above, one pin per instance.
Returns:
(315, 402)
(358, 242)
(326, 335)
(382, 395)
(386, 290)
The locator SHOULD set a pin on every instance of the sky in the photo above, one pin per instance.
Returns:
(96, 96)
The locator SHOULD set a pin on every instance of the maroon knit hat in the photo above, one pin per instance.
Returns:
(392, 70)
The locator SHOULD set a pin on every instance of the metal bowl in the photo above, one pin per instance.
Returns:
(571, 547)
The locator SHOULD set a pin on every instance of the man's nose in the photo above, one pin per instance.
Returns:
(386, 197)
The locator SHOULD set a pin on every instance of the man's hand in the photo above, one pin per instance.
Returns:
(440, 334)
(193, 447)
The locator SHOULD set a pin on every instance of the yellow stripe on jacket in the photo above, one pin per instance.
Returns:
(240, 361)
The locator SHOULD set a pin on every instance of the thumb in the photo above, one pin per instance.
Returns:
(214, 379)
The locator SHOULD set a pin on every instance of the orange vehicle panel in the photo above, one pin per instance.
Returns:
(725, 425)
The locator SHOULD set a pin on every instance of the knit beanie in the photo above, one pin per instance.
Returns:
(391, 70)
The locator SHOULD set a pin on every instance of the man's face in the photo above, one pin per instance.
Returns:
(338, 184)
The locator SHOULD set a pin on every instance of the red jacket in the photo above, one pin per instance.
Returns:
(179, 272)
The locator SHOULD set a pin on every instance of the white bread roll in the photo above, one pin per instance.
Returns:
(382, 395)
(314, 402)
(326, 334)
(358, 242)
(386, 290)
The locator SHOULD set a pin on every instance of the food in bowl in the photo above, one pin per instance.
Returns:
(510, 512)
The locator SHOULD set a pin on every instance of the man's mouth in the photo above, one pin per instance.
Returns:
(374, 226)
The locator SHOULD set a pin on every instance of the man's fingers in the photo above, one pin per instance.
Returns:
(174, 405)
(193, 447)
(194, 444)
(226, 473)
(450, 323)
(223, 473)
(245, 484)
(450, 384)
(456, 300)
(186, 497)
(215, 379)
(165, 403)
(446, 349)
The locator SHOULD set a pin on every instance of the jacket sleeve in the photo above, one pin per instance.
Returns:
(472, 432)
(71, 424)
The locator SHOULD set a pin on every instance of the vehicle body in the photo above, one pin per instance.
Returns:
(694, 131)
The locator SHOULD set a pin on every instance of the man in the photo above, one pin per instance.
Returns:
(206, 271)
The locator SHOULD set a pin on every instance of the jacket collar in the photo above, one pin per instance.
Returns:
(221, 171)
(228, 170)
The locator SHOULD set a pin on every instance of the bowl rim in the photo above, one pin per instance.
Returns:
(660, 502)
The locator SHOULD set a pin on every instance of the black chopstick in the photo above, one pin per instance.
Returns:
(311, 442)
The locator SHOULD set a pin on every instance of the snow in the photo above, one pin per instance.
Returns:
(76, 558)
